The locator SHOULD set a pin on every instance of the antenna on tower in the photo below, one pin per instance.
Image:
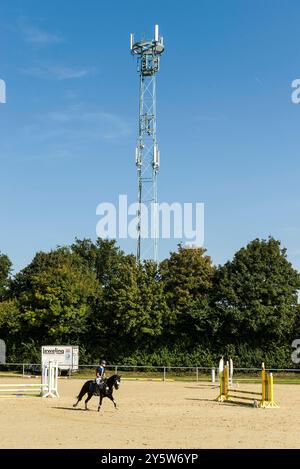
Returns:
(147, 155)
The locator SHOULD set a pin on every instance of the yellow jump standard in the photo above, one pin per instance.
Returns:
(266, 397)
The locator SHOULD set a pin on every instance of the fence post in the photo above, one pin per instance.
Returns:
(197, 373)
(164, 378)
(23, 372)
(116, 369)
(213, 376)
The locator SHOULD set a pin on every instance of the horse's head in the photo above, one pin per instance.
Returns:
(117, 381)
(113, 382)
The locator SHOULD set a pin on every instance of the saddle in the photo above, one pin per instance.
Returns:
(97, 388)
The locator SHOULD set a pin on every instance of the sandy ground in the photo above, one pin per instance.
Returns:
(151, 415)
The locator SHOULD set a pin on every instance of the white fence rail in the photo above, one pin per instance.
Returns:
(192, 373)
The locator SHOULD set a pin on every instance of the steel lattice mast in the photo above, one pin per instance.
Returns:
(147, 156)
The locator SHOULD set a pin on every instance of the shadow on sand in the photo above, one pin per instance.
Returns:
(75, 409)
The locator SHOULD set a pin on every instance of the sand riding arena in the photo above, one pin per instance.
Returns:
(150, 415)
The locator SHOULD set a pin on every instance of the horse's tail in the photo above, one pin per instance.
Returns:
(84, 390)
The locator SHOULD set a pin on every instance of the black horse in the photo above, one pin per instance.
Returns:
(105, 389)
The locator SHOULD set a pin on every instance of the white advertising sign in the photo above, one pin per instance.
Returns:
(65, 355)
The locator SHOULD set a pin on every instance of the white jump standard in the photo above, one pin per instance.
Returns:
(47, 388)
(50, 378)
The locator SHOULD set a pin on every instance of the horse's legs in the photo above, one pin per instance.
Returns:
(87, 400)
(100, 402)
(78, 400)
(83, 391)
(112, 399)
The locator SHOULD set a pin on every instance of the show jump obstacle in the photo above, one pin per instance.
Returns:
(47, 388)
(220, 370)
(265, 397)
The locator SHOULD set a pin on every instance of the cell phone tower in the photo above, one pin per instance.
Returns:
(147, 157)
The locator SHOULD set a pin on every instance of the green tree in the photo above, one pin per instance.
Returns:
(121, 298)
(55, 294)
(5, 270)
(10, 319)
(109, 264)
(131, 310)
(153, 312)
(187, 277)
(256, 294)
(103, 257)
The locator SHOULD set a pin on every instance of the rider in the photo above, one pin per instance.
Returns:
(100, 373)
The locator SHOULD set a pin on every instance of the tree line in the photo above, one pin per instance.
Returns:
(183, 312)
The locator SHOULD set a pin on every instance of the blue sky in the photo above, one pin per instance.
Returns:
(227, 128)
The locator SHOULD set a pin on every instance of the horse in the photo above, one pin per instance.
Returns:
(104, 390)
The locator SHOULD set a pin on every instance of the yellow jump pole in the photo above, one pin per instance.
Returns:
(223, 385)
(271, 402)
(221, 378)
(263, 385)
(226, 382)
(270, 386)
(267, 395)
